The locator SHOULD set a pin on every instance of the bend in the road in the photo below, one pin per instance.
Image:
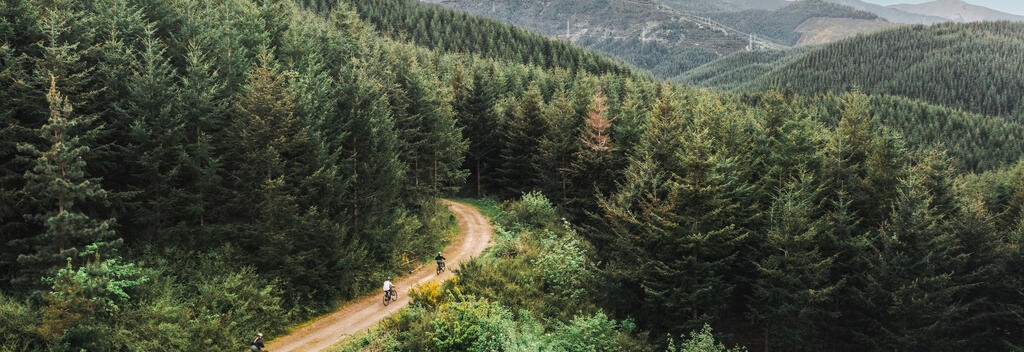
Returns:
(474, 236)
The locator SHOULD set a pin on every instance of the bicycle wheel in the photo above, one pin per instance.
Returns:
(387, 299)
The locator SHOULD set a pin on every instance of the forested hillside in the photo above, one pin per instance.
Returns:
(664, 40)
(976, 67)
(733, 71)
(456, 32)
(180, 174)
(669, 38)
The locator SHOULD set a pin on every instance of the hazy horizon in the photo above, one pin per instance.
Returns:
(1015, 7)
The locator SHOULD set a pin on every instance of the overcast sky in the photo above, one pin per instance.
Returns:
(1011, 6)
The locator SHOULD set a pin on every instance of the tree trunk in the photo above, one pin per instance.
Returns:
(479, 190)
(355, 183)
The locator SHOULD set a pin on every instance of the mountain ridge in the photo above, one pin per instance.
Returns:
(669, 37)
(957, 10)
(891, 14)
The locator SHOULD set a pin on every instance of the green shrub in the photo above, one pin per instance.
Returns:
(564, 265)
(18, 323)
(508, 246)
(533, 210)
(595, 332)
(475, 325)
(701, 341)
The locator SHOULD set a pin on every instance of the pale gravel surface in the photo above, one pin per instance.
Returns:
(474, 236)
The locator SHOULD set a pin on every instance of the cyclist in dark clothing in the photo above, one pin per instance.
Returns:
(257, 344)
(440, 261)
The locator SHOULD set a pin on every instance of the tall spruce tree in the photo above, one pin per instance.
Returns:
(202, 104)
(864, 162)
(595, 165)
(157, 143)
(58, 182)
(480, 123)
(375, 196)
(555, 148)
(433, 146)
(792, 297)
(906, 290)
(521, 133)
(268, 160)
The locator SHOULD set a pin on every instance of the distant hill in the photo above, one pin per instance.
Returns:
(723, 5)
(822, 30)
(650, 35)
(712, 5)
(958, 11)
(891, 14)
(758, 4)
(781, 24)
(670, 37)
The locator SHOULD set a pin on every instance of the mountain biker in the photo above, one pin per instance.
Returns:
(440, 261)
(257, 344)
(387, 287)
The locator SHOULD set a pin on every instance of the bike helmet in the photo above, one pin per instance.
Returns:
(260, 334)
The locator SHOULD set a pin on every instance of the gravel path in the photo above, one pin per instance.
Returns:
(474, 237)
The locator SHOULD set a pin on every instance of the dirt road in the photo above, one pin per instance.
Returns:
(474, 236)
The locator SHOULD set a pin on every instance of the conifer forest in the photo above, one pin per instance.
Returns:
(178, 175)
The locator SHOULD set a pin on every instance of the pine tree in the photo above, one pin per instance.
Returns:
(202, 104)
(479, 121)
(524, 128)
(556, 147)
(597, 127)
(863, 163)
(594, 164)
(793, 294)
(906, 289)
(269, 159)
(158, 142)
(57, 180)
(433, 146)
(677, 219)
(379, 176)
(631, 118)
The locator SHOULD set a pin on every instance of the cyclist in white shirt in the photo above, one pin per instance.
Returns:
(387, 286)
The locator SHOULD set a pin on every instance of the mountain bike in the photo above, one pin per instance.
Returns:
(391, 295)
(440, 267)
